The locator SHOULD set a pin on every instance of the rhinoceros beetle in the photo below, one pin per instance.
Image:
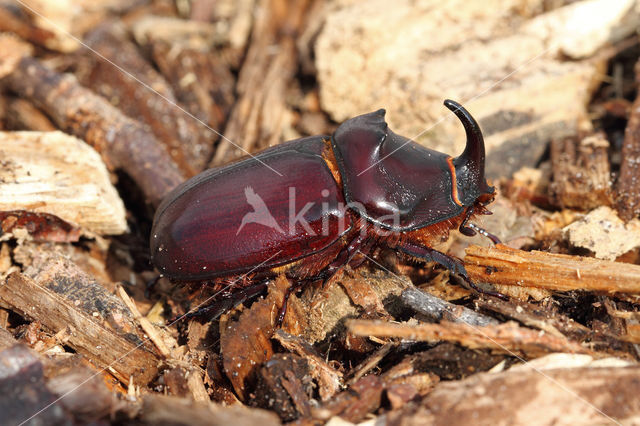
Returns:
(335, 200)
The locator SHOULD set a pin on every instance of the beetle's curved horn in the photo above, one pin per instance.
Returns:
(470, 164)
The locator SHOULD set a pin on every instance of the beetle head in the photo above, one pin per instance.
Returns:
(469, 166)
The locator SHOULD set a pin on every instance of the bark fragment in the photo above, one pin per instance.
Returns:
(122, 142)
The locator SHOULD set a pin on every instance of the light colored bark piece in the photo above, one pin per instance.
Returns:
(68, 20)
(507, 338)
(192, 34)
(409, 56)
(560, 396)
(13, 50)
(6, 339)
(506, 266)
(585, 25)
(162, 409)
(604, 233)
(52, 172)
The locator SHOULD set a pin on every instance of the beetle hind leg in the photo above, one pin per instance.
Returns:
(225, 303)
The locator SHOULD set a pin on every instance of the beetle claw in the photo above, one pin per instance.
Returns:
(487, 292)
(481, 231)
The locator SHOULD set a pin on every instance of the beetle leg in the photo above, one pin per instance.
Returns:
(218, 307)
(344, 257)
(452, 264)
(285, 300)
(150, 285)
(470, 229)
(485, 233)
(464, 229)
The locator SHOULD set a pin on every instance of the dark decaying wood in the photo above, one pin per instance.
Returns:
(284, 386)
(535, 316)
(53, 303)
(123, 142)
(328, 378)
(353, 404)
(23, 389)
(628, 186)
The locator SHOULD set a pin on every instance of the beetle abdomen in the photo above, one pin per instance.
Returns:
(245, 217)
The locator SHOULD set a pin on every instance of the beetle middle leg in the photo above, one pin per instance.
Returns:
(344, 257)
(452, 264)
(227, 302)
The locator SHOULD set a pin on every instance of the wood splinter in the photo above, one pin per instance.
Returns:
(506, 266)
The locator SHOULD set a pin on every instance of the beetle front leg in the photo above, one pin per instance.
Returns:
(470, 229)
(451, 263)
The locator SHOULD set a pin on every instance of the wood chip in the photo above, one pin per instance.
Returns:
(90, 336)
(23, 389)
(437, 309)
(284, 386)
(536, 317)
(506, 338)
(58, 174)
(556, 396)
(329, 379)
(122, 142)
(355, 403)
(628, 185)
(581, 173)
(260, 114)
(602, 232)
(246, 343)
(159, 409)
(507, 266)
(145, 324)
(6, 339)
(151, 102)
(23, 115)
